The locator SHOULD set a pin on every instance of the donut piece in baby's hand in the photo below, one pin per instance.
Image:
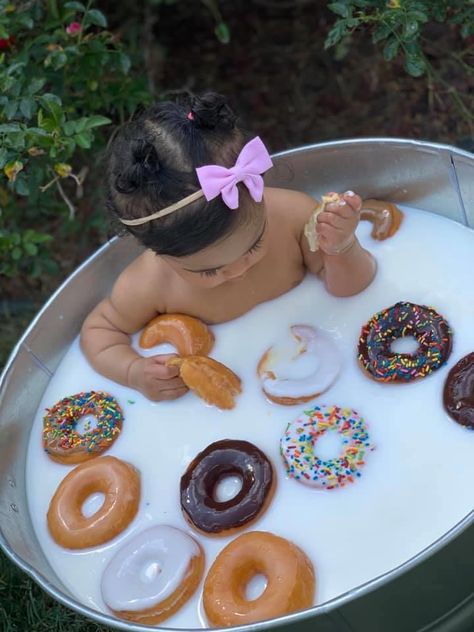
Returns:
(210, 380)
(310, 231)
(62, 441)
(301, 369)
(287, 569)
(188, 335)
(386, 218)
(153, 575)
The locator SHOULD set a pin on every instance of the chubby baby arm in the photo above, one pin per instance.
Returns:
(105, 340)
(346, 267)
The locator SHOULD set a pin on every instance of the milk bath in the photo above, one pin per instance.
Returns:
(413, 487)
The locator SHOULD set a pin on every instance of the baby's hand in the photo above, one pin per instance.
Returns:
(337, 223)
(157, 381)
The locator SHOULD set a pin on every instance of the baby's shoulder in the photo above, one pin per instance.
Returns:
(141, 280)
(289, 206)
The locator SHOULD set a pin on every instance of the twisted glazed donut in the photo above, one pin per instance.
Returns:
(289, 573)
(153, 575)
(120, 484)
(188, 335)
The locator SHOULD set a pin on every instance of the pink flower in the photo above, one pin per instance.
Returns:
(74, 28)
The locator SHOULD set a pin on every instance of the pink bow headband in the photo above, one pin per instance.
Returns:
(252, 161)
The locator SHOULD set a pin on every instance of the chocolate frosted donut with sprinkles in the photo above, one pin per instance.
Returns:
(61, 439)
(458, 393)
(402, 320)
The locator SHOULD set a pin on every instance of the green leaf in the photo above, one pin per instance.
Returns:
(75, 6)
(21, 185)
(125, 62)
(16, 253)
(47, 97)
(3, 157)
(390, 49)
(27, 107)
(335, 35)
(340, 8)
(95, 121)
(31, 249)
(94, 16)
(83, 140)
(9, 127)
(415, 65)
(410, 30)
(11, 109)
(381, 32)
(222, 33)
(35, 86)
(69, 128)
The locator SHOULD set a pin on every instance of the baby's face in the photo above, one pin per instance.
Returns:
(227, 261)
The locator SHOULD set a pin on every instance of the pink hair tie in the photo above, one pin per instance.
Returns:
(190, 116)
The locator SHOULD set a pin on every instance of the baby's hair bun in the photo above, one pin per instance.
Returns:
(211, 111)
(143, 169)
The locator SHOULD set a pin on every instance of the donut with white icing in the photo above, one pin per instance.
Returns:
(153, 575)
(300, 369)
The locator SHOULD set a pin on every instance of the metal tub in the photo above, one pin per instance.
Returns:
(431, 592)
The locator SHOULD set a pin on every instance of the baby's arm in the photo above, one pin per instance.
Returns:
(105, 338)
(346, 267)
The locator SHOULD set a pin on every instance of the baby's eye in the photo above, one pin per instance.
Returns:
(208, 273)
(255, 247)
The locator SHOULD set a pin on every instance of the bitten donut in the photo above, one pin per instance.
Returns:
(153, 575)
(188, 335)
(297, 372)
(386, 218)
(120, 484)
(299, 447)
(458, 393)
(429, 329)
(198, 484)
(64, 444)
(289, 573)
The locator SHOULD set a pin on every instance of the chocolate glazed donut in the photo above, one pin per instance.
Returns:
(226, 458)
(458, 396)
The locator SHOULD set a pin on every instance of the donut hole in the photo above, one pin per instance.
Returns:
(227, 487)
(150, 571)
(255, 586)
(328, 446)
(407, 345)
(85, 424)
(92, 504)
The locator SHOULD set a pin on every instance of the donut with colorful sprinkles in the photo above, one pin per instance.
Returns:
(61, 440)
(298, 447)
(404, 319)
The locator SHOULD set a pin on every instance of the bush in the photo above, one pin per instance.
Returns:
(63, 78)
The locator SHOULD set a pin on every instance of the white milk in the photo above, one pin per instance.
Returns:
(413, 488)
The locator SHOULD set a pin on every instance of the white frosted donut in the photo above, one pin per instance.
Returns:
(301, 368)
(153, 575)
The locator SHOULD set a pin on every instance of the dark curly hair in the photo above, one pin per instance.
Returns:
(151, 164)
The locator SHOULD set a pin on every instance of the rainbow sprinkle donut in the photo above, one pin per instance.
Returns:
(61, 440)
(429, 329)
(299, 444)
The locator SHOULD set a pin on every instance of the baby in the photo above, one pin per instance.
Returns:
(186, 181)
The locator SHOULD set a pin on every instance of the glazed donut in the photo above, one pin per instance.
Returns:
(293, 376)
(299, 444)
(120, 484)
(64, 444)
(188, 335)
(458, 396)
(198, 484)
(153, 575)
(404, 319)
(289, 573)
(386, 218)
(210, 380)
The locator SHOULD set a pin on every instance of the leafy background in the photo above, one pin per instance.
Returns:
(298, 71)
